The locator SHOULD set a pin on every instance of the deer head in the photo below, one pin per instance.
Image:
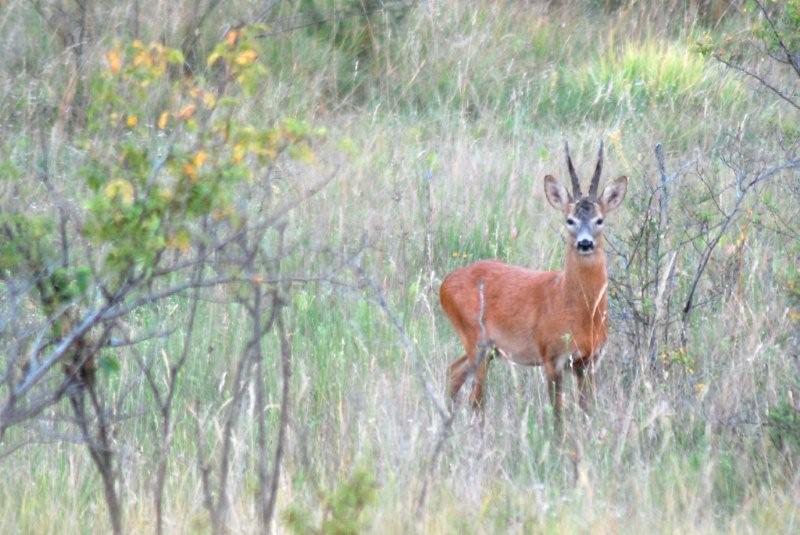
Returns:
(584, 215)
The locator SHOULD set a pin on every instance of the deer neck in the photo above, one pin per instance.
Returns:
(586, 284)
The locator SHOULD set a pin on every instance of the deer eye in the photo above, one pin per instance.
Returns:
(599, 222)
(570, 221)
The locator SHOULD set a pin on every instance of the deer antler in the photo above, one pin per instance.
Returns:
(597, 171)
(576, 183)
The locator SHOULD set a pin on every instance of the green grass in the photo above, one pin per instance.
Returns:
(479, 97)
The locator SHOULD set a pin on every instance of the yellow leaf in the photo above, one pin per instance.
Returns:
(119, 189)
(209, 100)
(132, 121)
(247, 57)
(142, 58)
(231, 37)
(302, 153)
(183, 243)
(180, 241)
(700, 390)
(239, 151)
(163, 119)
(200, 158)
(190, 170)
(218, 214)
(273, 137)
(348, 146)
(114, 59)
(165, 194)
(212, 59)
(187, 112)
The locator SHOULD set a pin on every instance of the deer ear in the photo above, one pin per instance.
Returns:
(613, 194)
(556, 194)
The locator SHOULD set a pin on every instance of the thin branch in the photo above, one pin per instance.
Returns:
(127, 342)
(203, 466)
(729, 218)
(763, 81)
(119, 311)
(484, 349)
(61, 348)
(408, 345)
(166, 406)
(339, 15)
(789, 56)
(286, 375)
(239, 385)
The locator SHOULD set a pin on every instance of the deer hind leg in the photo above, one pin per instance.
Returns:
(476, 396)
(456, 375)
(584, 375)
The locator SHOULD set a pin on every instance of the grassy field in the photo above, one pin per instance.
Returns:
(443, 121)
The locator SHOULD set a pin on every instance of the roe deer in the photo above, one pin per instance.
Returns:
(539, 317)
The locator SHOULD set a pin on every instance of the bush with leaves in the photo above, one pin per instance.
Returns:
(342, 508)
(769, 52)
(703, 231)
(167, 188)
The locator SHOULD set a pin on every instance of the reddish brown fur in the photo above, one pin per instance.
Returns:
(560, 312)
(535, 317)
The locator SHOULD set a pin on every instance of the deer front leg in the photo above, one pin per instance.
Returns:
(556, 394)
(584, 375)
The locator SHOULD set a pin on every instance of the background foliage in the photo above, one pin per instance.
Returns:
(226, 181)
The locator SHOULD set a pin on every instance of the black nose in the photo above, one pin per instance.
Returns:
(585, 245)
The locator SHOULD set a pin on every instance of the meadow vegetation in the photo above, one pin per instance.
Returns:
(306, 173)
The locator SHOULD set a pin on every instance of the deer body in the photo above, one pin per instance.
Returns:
(532, 317)
(538, 317)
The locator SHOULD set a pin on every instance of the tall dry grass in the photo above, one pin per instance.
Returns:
(471, 100)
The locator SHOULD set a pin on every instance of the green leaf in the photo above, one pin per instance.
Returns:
(82, 277)
(174, 56)
(109, 364)
(94, 175)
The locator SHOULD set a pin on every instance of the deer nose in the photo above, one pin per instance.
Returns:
(585, 245)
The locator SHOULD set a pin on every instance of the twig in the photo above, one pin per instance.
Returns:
(789, 56)
(286, 377)
(484, 348)
(339, 15)
(408, 345)
(659, 305)
(166, 406)
(117, 342)
(763, 81)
